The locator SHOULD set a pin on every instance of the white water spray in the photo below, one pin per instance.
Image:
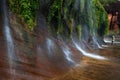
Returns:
(67, 54)
(98, 45)
(8, 37)
(50, 46)
(89, 54)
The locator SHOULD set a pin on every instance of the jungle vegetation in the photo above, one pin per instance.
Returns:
(64, 16)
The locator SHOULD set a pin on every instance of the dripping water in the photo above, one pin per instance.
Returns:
(8, 37)
(94, 38)
(88, 54)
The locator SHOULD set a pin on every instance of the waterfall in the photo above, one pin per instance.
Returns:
(46, 52)
(51, 46)
(94, 32)
(8, 37)
(88, 54)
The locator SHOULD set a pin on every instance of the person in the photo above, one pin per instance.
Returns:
(113, 39)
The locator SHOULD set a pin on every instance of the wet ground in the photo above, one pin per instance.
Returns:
(93, 69)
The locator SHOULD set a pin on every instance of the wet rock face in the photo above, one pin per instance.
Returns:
(40, 56)
(37, 55)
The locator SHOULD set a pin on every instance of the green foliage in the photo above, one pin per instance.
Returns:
(26, 9)
(66, 16)
(60, 16)
(107, 2)
(82, 5)
(79, 31)
(100, 18)
(55, 10)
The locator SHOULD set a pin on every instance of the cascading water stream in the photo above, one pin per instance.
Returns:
(68, 54)
(85, 53)
(8, 37)
(41, 56)
(93, 32)
(51, 46)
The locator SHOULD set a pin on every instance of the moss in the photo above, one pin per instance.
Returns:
(106, 2)
(64, 16)
(82, 5)
(79, 30)
(100, 18)
(55, 12)
(60, 16)
(25, 9)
